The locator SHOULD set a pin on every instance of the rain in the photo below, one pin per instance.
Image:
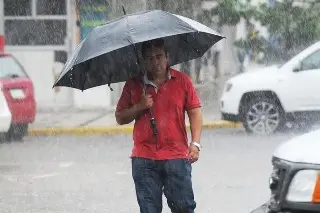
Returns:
(254, 64)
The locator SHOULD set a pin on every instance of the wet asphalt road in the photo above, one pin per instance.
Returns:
(93, 174)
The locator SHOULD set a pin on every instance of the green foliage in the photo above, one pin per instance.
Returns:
(259, 44)
(299, 24)
(229, 12)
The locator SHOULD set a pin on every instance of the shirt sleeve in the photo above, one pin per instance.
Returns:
(125, 98)
(192, 98)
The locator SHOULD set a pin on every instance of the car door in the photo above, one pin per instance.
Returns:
(306, 83)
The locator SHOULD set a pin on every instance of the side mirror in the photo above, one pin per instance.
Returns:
(297, 68)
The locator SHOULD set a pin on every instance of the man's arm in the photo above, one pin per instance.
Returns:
(126, 112)
(126, 116)
(193, 108)
(195, 118)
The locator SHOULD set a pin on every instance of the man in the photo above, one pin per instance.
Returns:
(162, 162)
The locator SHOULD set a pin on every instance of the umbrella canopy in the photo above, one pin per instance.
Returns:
(111, 51)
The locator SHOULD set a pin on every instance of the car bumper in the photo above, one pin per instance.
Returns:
(23, 112)
(310, 208)
(5, 121)
(229, 106)
(262, 209)
(230, 117)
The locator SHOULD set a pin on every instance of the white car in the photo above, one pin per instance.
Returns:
(295, 179)
(265, 99)
(5, 115)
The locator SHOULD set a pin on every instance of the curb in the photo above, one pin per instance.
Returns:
(114, 130)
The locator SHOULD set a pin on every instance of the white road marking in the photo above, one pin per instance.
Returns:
(9, 164)
(45, 175)
(14, 179)
(11, 179)
(65, 164)
(121, 173)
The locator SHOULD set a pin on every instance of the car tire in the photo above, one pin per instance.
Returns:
(17, 132)
(263, 116)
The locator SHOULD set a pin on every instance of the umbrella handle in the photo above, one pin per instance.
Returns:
(152, 120)
(153, 124)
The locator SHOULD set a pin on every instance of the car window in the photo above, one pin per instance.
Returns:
(311, 62)
(10, 68)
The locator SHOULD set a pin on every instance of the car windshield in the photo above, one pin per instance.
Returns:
(10, 68)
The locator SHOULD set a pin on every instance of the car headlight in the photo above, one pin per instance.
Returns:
(228, 87)
(305, 187)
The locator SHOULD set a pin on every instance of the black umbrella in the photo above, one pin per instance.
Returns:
(111, 52)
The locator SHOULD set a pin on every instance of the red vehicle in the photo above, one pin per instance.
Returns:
(19, 92)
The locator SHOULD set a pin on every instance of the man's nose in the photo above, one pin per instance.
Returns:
(155, 61)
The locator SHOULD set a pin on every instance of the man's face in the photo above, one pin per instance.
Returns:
(156, 60)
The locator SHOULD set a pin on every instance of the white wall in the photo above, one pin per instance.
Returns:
(97, 97)
(241, 29)
(227, 58)
(41, 68)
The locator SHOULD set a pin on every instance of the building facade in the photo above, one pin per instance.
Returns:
(39, 33)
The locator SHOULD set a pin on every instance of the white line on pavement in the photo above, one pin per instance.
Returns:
(45, 175)
(121, 173)
(65, 164)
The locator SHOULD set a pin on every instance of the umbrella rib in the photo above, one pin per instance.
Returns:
(128, 31)
(131, 41)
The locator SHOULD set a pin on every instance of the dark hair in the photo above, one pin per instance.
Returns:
(158, 43)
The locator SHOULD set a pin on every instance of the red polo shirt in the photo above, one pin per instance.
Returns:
(171, 101)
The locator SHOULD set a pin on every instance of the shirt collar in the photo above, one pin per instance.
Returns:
(147, 81)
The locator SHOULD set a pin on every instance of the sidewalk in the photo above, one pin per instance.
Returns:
(102, 122)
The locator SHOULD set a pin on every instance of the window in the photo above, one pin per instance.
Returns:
(35, 32)
(60, 56)
(17, 7)
(311, 62)
(9, 68)
(51, 7)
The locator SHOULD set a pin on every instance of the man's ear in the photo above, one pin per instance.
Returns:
(168, 55)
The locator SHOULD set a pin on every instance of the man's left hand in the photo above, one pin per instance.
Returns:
(193, 153)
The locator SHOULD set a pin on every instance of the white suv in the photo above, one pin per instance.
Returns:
(265, 99)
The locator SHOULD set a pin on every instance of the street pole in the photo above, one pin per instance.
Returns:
(2, 41)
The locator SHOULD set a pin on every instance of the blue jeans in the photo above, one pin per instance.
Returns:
(173, 177)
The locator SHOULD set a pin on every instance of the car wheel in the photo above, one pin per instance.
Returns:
(263, 116)
(17, 131)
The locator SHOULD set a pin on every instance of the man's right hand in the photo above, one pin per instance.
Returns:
(145, 102)
(126, 116)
